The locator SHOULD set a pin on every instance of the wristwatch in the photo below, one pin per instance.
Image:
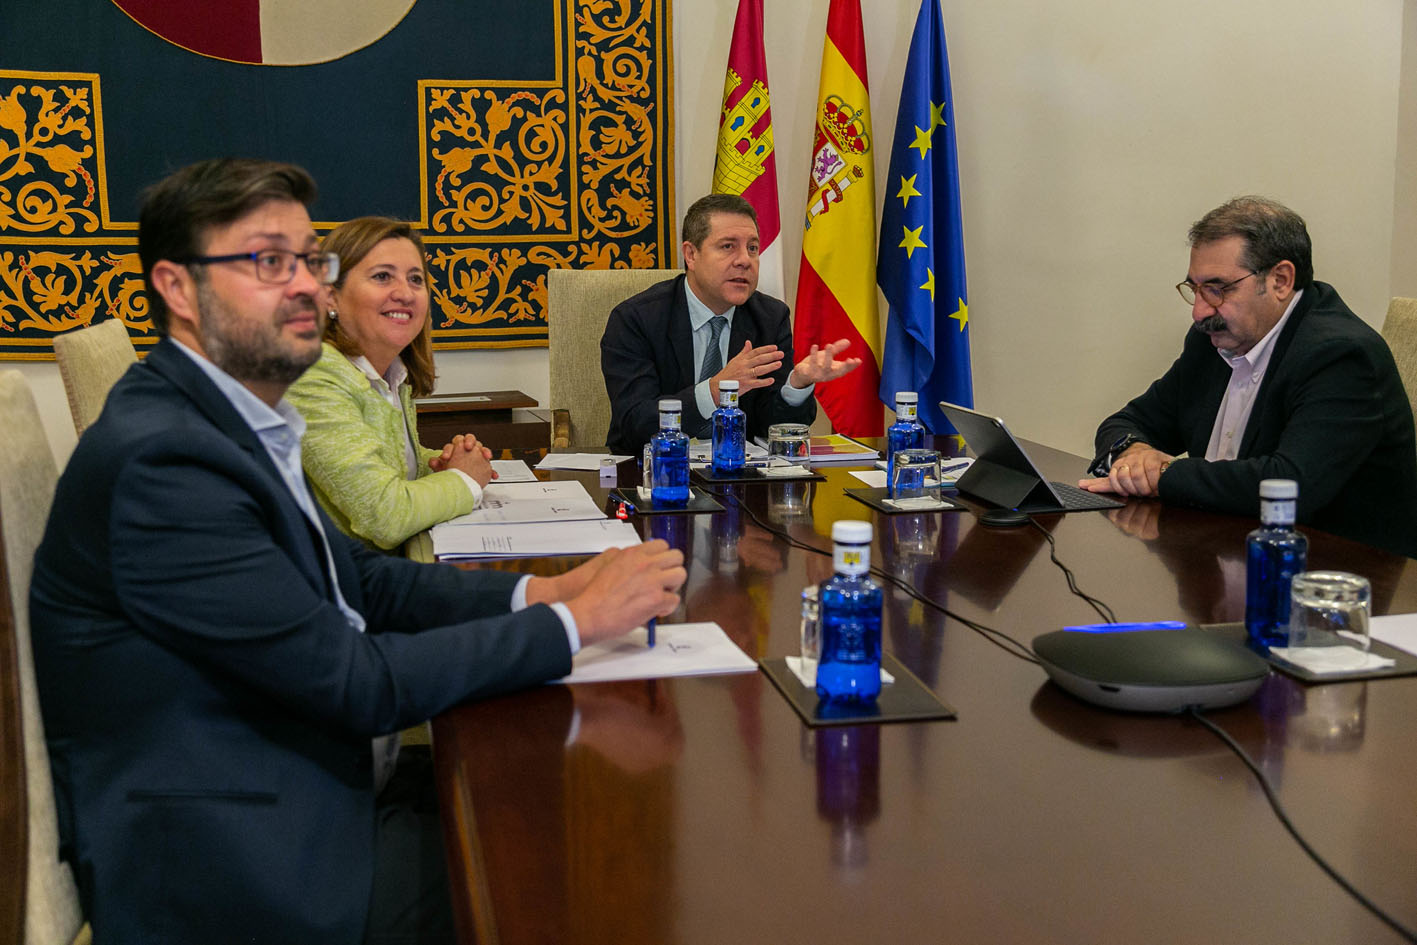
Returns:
(1102, 465)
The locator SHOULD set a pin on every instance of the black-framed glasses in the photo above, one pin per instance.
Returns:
(1210, 293)
(277, 266)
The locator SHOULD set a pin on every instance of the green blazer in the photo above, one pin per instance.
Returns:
(354, 457)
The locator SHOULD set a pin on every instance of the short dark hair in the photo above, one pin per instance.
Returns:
(178, 210)
(352, 241)
(696, 221)
(1271, 231)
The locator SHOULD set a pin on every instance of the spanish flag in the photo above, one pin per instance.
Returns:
(836, 290)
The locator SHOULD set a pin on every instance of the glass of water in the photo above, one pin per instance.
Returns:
(811, 631)
(1331, 609)
(915, 474)
(789, 441)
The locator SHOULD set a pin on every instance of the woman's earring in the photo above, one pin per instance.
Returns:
(332, 313)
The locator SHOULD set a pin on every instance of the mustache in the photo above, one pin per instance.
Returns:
(1210, 325)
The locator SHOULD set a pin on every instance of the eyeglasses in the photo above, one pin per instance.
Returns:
(1213, 295)
(277, 266)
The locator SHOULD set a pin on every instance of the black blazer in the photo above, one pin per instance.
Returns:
(207, 707)
(647, 352)
(1331, 413)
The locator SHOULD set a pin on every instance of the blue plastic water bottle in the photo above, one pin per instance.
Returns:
(728, 426)
(1275, 552)
(906, 433)
(669, 449)
(849, 603)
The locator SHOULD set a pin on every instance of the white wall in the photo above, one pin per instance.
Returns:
(1091, 135)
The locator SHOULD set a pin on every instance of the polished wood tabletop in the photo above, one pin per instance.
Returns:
(703, 811)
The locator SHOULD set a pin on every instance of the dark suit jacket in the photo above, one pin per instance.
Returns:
(647, 352)
(208, 708)
(1331, 413)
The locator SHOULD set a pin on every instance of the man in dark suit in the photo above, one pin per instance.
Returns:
(1278, 379)
(679, 338)
(213, 656)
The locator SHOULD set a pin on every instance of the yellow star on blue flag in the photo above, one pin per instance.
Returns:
(927, 329)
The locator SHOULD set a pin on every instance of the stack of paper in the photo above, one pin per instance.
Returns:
(835, 448)
(512, 522)
(512, 470)
(583, 462)
(560, 501)
(701, 451)
(532, 539)
(685, 649)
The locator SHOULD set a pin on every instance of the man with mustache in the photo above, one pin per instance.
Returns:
(679, 338)
(1277, 379)
(215, 658)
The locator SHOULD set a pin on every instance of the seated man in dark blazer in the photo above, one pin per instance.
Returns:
(679, 338)
(214, 656)
(1278, 379)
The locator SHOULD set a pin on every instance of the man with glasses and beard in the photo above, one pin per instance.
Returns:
(217, 664)
(1278, 379)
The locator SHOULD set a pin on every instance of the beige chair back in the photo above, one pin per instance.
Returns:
(27, 479)
(578, 305)
(91, 360)
(1400, 332)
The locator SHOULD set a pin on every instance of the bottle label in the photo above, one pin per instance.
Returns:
(1277, 511)
(851, 559)
(906, 411)
(668, 420)
(728, 398)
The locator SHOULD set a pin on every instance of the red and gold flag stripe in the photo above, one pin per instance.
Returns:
(836, 289)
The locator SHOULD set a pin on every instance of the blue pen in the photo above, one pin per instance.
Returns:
(652, 622)
(1129, 627)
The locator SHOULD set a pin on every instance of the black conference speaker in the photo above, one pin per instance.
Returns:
(1151, 670)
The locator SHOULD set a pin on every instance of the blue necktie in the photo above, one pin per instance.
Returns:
(713, 357)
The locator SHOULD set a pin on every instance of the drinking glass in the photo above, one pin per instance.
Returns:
(811, 631)
(789, 502)
(1331, 609)
(913, 468)
(790, 441)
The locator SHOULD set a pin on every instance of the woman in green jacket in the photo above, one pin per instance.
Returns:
(361, 449)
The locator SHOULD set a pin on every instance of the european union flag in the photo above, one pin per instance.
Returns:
(920, 262)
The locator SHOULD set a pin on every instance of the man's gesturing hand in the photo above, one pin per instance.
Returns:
(750, 367)
(820, 365)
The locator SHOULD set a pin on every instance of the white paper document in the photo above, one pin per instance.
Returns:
(1323, 660)
(680, 649)
(1399, 630)
(876, 478)
(950, 471)
(701, 451)
(502, 503)
(532, 539)
(512, 470)
(584, 462)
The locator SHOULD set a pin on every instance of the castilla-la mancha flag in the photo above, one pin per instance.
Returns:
(745, 163)
(836, 290)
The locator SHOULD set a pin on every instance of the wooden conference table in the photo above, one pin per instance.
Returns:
(703, 811)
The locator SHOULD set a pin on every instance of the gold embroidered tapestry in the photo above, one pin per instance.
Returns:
(518, 135)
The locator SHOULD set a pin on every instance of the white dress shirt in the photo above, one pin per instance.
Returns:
(699, 317)
(279, 429)
(1246, 374)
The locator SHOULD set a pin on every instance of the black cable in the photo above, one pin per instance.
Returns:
(1279, 812)
(997, 637)
(1102, 609)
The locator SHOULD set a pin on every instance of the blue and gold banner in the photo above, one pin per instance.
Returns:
(519, 136)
